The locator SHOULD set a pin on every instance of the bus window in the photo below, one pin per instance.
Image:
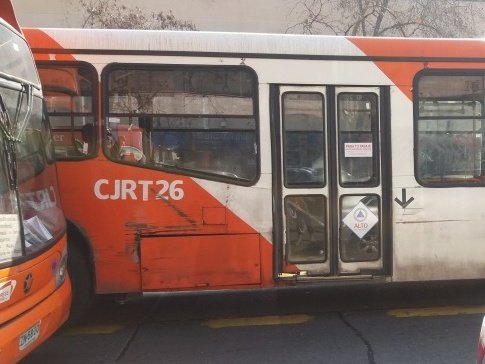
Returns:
(196, 120)
(352, 247)
(10, 243)
(39, 199)
(20, 67)
(305, 229)
(303, 123)
(68, 91)
(358, 140)
(450, 134)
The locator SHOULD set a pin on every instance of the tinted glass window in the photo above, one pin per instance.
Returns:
(304, 143)
(43, 220)
(192, 120)
(450, 133)
(355, 247)
(29, 163)
(10, 243)
(306, 233)
(69, 94)
(358, 139)
(15, 57)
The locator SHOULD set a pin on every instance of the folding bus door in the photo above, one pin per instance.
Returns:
(333, 183)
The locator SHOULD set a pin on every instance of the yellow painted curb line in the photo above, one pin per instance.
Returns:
(437, 311)
(258, 321)
(91, 330)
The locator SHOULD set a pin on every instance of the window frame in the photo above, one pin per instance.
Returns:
(94, 78)
(346, 230)
(416, 119)
(284, 117)
(324, 201)
(375, 132)
(27, 57)
(181, 67)
(20, 194)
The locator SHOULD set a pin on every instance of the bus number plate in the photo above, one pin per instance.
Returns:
(29, 336)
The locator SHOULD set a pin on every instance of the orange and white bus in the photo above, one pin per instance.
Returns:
(210, 161)
(35, 295)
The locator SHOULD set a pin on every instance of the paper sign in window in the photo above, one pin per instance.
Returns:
(358, 150)
(10, 245)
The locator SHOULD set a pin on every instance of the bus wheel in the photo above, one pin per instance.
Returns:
(81, 281)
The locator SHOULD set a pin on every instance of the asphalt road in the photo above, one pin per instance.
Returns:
(427, 323)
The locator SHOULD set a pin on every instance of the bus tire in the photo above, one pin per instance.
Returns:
(81, 281)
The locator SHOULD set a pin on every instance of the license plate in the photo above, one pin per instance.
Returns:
(29, 336)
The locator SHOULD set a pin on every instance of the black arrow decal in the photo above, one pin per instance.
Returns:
(404, 203)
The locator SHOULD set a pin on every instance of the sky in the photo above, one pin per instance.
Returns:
(212, 15)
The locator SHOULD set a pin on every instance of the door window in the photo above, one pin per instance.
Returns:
(303, 130)
(358, 140)
(306, 235)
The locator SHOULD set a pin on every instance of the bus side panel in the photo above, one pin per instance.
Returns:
(116, 221)
(439, 235)
(200, 261)
(267, 276)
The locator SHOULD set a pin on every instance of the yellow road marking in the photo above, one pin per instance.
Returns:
(288, 319)
(258, 321)
(437, 311)
(91, 330)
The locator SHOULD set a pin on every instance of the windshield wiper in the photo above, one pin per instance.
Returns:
(9, 145)
(7, 128)
(21, 126)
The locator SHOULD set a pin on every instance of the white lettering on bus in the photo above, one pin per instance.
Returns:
(144, 185)
(58, 138)
(39, 200)
(127, 189)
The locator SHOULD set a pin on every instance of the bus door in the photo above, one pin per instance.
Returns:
(333, 206)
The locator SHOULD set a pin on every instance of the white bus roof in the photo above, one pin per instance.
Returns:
(249, 44)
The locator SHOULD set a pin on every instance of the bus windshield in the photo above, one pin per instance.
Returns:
(15, 58)
(28, 182)
(10, 243)
(42, 216)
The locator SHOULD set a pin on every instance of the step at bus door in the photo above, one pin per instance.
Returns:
(333, 183)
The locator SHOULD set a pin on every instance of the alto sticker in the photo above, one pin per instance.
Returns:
(6, 290)
(360, 220)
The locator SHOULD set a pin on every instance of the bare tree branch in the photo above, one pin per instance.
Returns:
(405, 18)
(109, 14)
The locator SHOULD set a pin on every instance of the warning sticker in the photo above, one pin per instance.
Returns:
(360, 220)
(6, 290)
(358, 150)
